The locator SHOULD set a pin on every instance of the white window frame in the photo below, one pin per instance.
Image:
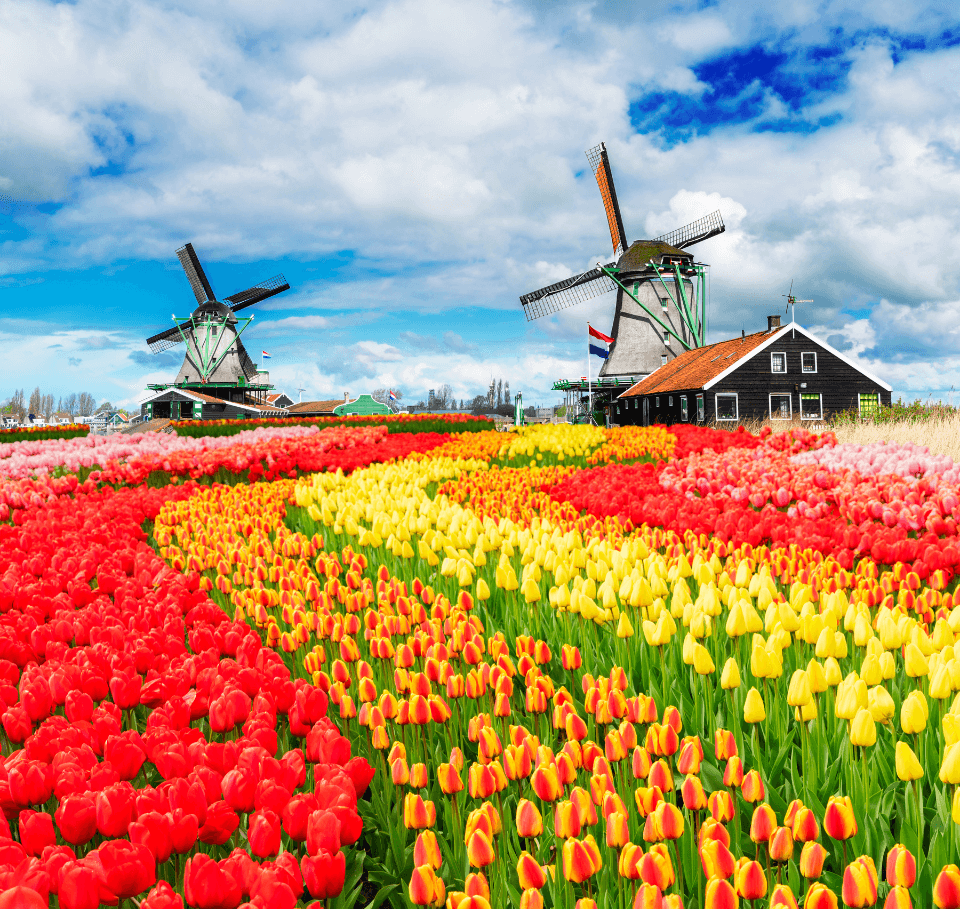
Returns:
(808, 353)
(663, 359)
(736, 406)
(780, 394)
(670, 401)
(701, 410)
(817, 418)
(656, 401)
(684, 412)
(873, 394)
(666, 338)
(778, 353)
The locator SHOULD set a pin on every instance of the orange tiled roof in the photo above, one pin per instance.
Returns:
(315, 406)
(694, 368)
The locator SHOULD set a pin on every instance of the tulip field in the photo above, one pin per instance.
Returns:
(561, 667)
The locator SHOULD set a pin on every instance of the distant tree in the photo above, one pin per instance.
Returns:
(69, 404)
(17, 406)
(506, 394)
(443, 397)
(106, 405)
(85, 404)
(36, 401)
(47, 406)
(479, 404)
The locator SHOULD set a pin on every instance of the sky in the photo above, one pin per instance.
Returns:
(413, 166)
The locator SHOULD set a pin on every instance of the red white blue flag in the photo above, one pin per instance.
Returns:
(596, 349)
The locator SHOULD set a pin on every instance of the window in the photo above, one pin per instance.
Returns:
(727, 406)
(670, 400)
(700, 408)
(869, 405)
(808, 361)
(663, 359)
(666, 338)
(810, 407)
(656, 401)
(781, 407)
(683, 408)
(778, 362)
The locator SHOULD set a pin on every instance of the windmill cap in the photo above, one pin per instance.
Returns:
(642, 251)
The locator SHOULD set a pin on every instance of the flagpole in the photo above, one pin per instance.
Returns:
(589, 380)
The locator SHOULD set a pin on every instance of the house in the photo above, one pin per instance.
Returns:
(107, 421)
(188, 404)
(279, 399)
(778, 374)
(62, 418)
(316, 408)
(364, 405)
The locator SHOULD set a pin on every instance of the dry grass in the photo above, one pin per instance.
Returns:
(940, 433)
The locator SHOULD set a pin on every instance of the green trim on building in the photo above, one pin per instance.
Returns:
(362, 406)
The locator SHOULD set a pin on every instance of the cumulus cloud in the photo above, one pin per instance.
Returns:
(438, 149)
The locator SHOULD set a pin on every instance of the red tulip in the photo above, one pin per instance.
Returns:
(153, 830)
(946, 888)
(22, 898)
(264, 833)
(36, 831)
(839, 820)
(324, 874)
(323, 832)
(78, 886)
(129, 868)
(76, 819)
(116, 806)
(162, 896)
(221, 821)
(207, 886)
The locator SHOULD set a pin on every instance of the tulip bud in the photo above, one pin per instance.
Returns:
(530, 872)
(906, 763)
(946, 888)
(782, 898)
(752, 788)
(763, 824)
(819, 896)
(753, 709)
(838, 820)
(860, 883)
(812, 857)
(863, 731)
(719, 895)
(780, 845)
(901, 867)
(730, 677)
(751, 882)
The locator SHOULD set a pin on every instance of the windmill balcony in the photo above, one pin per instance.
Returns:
(262, 378)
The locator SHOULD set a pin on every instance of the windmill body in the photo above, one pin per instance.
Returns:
(216, 366)
(661, 292)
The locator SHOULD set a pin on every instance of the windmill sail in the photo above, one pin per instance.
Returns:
(166, 339)
(600, 164)
(198, 280)
(270, 287)
(566, 293)
(695, 232)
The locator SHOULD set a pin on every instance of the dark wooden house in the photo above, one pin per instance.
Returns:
(782, 373)
(189, 404)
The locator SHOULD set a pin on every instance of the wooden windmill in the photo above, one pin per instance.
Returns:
(215, 361)
(661, 290)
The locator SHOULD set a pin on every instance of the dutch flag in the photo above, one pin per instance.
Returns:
(393, 397)
(265, 355)
(596, 349)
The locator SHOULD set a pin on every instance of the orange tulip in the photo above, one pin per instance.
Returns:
(780, 845)
(716, 859)
(750, 880)
(839, 820)
(618, 830)
(898, 898)
(656, 867)
(820, 896)
(546, 784)
(581, 859)
(479, 850)
(426, 889)
(860, 883)
(721, 806)
(946, 888)
(763, 823)
(649, 896)
(752, 787)
(901, 867)
(530, 872)
(426, 850)
(449, 779)
(812, 857)
(529, 820)
(724, 745)
(805, 827)
(566, 819)
(720, 895)
(782, 898)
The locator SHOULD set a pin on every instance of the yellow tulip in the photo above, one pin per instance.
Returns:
(730, 677)
(863, 731)
(702, 661)
(798, 694)
(950, 768)
(753, 709)
(913, 714)
(816, 677)
(624, 627)
(880, 704)
(483, 590)
(907, 765)
(915, 662)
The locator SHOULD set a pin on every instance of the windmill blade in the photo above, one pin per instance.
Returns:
(194, 270)
(600, 164)
(164, 340)
(702, 229)
(566, 293)
(269, 288)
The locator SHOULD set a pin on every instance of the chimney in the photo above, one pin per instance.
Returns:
(773, 323)
(346, 397)
(743, 334)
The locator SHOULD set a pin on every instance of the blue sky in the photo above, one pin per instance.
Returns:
(413, 167)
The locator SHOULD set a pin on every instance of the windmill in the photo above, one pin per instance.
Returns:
(661, 290)
(215, 361)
